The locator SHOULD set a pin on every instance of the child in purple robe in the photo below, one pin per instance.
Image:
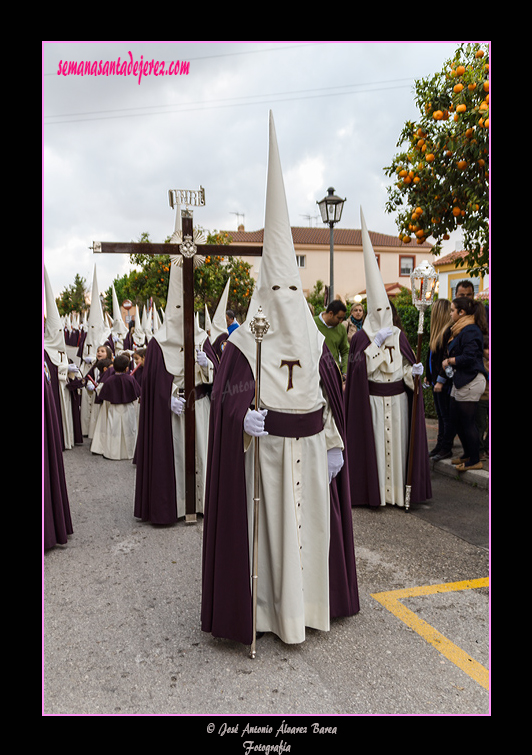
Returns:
(115, 434)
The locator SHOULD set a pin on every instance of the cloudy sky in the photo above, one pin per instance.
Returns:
(113, 146)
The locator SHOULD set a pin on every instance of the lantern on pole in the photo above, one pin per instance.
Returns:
(331, 208)
(424, 280)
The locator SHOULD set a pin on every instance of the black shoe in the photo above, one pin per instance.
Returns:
(442, 455)
(434, 452)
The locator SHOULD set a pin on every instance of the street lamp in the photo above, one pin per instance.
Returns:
(331, 208)
(426, 277)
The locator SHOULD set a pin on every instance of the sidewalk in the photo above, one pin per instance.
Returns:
(478, 477)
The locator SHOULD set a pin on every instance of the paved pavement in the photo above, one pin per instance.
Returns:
(477, 477)
(122, 635)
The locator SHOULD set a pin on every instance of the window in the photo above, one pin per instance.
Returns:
(406, 265)
(301, 260)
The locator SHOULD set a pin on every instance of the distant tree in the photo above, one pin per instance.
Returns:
(317, 297)
(73, 297)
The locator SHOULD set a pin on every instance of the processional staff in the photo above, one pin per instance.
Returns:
(259, 326)
(422, 298)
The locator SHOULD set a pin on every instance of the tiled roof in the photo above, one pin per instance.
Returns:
(320, 236)
(450, 258)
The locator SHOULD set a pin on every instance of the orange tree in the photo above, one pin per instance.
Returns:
(441, 176)
(211, 277)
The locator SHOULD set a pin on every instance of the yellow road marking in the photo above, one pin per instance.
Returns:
(391, 601)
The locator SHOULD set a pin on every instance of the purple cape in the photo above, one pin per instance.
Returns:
(137, 374)
(363, 472)
(75, 401)
(73, 386)
(119, 388)
(155, 497)
(226, 608)
(219, 345)
(57, 522)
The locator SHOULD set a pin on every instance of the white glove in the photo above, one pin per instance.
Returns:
(417, 369)
(201, 358)
(90, 386)
(382, 335)
(254, 423)
(177, 405)
(73, 369)
(89, 360)
(335, 461)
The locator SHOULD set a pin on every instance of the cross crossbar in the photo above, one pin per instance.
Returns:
(153, 249)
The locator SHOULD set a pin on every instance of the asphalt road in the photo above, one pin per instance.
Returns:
(121, 630)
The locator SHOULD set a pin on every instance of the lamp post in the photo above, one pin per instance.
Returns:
(331, 208)
(424, 281)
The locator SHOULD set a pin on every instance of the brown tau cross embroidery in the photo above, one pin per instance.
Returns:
(390, 350)
(290, 363)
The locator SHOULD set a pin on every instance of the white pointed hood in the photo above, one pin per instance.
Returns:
(200, 335)
(292, 347)
(219, 323)
(156, 320)
(208, 322)
(119, 326)
(97, 331)
(170, 335)
(146, 324)
(54, 334)
(379, 310)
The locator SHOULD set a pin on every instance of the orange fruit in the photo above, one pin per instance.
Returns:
(456, 211)
(479, 54)
(461, 108)
(429, 158)
(486, 86)
(458, 88)
(461, 164)
(460, 70)
(437, 115)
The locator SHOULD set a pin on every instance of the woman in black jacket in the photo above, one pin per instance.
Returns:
(465, 365)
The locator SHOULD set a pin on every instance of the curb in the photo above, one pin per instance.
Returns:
(476, 477)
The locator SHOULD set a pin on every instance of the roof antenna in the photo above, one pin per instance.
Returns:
(240, 222)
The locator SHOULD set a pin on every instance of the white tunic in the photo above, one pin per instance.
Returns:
(202, 408)
(294, 530)
(391, 420)
(66, 404)
(115, 433)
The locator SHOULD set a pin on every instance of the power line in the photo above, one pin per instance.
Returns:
(228, 102)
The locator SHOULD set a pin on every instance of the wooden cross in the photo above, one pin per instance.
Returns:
(188, 249)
